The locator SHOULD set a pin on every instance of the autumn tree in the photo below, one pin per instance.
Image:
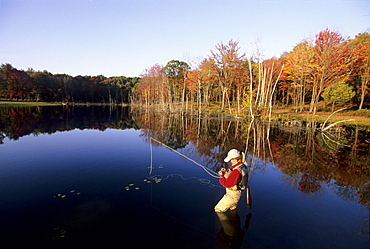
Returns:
(193, 86)
(176, 71)
(299, 64)
(272, 73)
(226, 64)
(44, 86)
(263, 79)
(332, 63)
(208, 78)
(153, 87)
(202, 83)
(3, 79)
(19, 84)
(361, 66)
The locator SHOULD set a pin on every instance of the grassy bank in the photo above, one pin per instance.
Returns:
(361, 117)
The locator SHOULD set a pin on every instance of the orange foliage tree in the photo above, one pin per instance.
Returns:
(153, 87)
(298, 67)
(361, 67)
(231, 80)
(227, 62)
(208, 81)
(332, 64)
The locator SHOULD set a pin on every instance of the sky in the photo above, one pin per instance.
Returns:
(125, 37)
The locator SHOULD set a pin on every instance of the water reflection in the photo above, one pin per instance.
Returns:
(308, 156)
(231, 235)
(304, 153)
(16, 122)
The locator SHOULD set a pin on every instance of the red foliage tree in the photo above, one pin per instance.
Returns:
(20, 84)
(333, 63)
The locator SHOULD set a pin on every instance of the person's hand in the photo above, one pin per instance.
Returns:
(222, 172)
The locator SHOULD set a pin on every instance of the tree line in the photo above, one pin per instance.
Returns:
(44, 86)
(328, 69)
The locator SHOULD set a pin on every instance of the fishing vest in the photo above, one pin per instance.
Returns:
(242, 181)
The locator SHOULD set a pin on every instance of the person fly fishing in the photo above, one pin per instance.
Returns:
(234, 180)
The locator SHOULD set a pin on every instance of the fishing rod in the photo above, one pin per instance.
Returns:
(248, 197)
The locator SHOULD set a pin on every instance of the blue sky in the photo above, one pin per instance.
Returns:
(124, 37)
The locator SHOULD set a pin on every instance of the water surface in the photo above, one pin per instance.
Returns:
(95, 179)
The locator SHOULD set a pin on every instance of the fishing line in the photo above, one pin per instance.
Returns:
(158, 178)
(202, 181)
(208, 171)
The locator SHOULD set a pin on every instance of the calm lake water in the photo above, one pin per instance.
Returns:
(92, 177)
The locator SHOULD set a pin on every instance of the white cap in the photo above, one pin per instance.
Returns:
(232, 154)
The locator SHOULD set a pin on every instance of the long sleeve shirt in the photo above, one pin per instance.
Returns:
(231, 179)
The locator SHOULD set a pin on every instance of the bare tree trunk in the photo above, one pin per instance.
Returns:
(363, 90)
(199, 97)
(250, 89)
(183, 91)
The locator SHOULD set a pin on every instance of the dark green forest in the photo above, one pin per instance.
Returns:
(43, 86)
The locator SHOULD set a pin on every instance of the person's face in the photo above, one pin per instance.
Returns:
(234, 160)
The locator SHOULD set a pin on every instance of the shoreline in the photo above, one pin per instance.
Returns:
(322, 116)
(283, 114)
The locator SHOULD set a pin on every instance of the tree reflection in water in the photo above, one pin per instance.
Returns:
(307, 155)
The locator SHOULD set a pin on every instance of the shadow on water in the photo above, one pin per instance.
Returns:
(308, 160)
